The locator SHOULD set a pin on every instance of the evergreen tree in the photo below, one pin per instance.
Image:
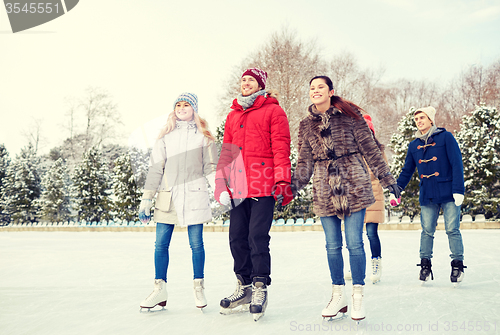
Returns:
(399, 144)
(91, 187)
(302, 205)
(4, 164)
(479, 142)
(22, 186)
(54, 202)
(128, 195)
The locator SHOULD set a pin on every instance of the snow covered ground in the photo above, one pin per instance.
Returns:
(92, 283)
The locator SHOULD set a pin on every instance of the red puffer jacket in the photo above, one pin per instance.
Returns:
(255, 153)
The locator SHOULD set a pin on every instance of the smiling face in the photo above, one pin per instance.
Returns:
(249, 85)
(423, 122)
(184, 111)
(320, 94)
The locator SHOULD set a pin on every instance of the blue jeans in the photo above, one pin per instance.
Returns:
(353, 226)
(372, 233)
(164, 235)
(429, 216)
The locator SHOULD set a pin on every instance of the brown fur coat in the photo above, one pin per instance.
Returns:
(332, 145)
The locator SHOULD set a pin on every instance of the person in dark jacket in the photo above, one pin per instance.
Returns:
(334, 142)
(253, 168)
(437, 157)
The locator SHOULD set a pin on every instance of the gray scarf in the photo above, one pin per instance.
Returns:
(246, 102)
(425, 137)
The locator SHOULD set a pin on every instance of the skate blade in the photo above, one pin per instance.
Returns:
(237, 310)
(146, 310)
(257, 316)
(335, 318)
(358, 321)
(456, 285)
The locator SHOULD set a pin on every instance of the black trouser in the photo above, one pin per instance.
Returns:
(249, 238)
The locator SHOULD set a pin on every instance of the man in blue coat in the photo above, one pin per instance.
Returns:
(436, 155)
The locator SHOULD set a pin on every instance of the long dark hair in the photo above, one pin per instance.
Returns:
(345, 106)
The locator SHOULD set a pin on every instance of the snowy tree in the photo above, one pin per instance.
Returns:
(479, 141)
(126, 192)
(302, 205)
(399, 144)
(54, 201)
(91, 187)
(4, 164)
(139, 161)
(22, 186)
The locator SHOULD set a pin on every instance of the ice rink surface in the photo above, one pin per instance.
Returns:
(92, 283)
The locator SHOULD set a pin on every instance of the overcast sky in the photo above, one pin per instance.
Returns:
(145, 53)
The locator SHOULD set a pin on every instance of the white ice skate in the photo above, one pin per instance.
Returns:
(358, 307)
(159, 296)
(337, 304)
(376, 270)
(348, 275)
(199, 293)
(259, 298)
(239, 301)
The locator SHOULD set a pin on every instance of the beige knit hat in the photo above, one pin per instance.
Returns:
(429, 111)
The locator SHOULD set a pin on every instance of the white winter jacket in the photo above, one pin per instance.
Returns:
(180, 162)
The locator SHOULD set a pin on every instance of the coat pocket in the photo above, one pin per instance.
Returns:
(164, 201)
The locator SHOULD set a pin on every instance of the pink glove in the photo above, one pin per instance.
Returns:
(394, 201)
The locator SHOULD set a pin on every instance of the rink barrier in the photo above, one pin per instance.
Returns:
(280, 225)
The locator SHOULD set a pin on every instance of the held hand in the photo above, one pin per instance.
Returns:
(393, 201)
(395, 189)
(284, 193)
(225, 198)
(459, 199)
(145, 210)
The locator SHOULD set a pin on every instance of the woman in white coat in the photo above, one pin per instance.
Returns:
(183, 157)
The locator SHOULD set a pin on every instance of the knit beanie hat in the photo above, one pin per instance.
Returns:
(258, 74)
(190, 98)
(429, 111)
(368, 120)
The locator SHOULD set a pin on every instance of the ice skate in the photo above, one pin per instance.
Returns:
(426, 270)
(259, 298)
(457, 272)
(337, 304)
(199, 293)
(239, 301)
(376, 270)
(358, 306)
(348, 275)
(159, 296)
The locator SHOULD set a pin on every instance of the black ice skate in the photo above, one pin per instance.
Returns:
(259, 298)
(426, 270)
(457, 272)
(239, 301)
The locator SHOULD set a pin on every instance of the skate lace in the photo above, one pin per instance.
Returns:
(258, 296)
(199, 292)
(357, 301)
(375, 267)
(153, 294)
(237, 294)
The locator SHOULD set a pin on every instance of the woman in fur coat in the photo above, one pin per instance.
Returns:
(333, 140)
(184, 156)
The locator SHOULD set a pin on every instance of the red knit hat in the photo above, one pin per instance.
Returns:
(368, 120)
(258, 74)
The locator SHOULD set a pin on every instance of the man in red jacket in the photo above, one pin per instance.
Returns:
(253, 169)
